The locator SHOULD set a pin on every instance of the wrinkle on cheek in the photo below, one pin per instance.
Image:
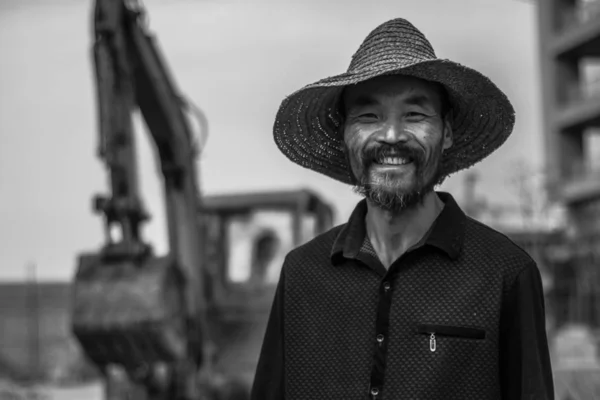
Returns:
(353, 144)
(425, 129)
(415, 132)
(432, 134)
(352, 139)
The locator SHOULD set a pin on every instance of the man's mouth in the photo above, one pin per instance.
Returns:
(393, 160)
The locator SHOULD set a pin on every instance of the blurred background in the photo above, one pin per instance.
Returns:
(236, 61)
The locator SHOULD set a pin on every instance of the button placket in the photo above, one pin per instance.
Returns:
(383, 310)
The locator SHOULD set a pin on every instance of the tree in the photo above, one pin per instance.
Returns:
(537, 208)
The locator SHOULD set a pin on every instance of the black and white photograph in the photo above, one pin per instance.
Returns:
(300, 200)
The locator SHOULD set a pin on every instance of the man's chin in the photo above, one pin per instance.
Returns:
(392, 176)
(391, 199)
(397, 190)
(392, 186)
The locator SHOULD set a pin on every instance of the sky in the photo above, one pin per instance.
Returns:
(236, 60)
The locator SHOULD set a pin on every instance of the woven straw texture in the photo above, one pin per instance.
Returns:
(308, 126)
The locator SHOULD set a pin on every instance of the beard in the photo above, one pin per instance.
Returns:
(392, 193)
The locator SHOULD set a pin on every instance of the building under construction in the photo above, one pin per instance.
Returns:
(569, 37)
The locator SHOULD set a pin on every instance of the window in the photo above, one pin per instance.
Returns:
(257, 245)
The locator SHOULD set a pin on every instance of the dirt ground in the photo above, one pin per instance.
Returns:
(87, 392)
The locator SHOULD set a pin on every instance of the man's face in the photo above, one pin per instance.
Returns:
(395, 135)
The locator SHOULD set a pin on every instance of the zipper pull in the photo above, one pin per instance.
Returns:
(374, 393)
(432, 343)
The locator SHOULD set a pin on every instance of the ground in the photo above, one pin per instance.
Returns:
(92, 391)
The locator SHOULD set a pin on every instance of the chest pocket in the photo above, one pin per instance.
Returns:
(438, 332)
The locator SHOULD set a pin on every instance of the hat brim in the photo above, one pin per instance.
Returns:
(308, 127)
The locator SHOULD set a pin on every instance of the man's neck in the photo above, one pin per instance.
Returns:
(393, 233)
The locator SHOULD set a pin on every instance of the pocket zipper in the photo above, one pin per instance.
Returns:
(454, 331)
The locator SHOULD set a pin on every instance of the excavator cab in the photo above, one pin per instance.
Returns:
(247, 237)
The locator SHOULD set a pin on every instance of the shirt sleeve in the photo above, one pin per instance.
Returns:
(525, 367)
(270, 372)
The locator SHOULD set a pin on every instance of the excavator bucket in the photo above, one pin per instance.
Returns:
(129, 312)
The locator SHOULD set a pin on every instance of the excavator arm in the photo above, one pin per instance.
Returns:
(132, 309)
(145, 320)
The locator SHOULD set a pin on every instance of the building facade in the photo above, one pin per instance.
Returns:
(569, 39)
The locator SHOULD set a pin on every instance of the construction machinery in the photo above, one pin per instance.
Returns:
(247, 236)
(186, 325)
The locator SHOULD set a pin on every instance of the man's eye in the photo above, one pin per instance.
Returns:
(414, 114)
(368, 116)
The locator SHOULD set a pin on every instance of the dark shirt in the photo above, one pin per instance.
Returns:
(458, 316)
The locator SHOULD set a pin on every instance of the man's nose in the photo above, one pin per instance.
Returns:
(394, 132)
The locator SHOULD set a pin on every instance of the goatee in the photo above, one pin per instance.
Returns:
(385, 192)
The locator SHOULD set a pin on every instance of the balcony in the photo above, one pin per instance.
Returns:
(578, 39)
(577, 115)
(582, 188)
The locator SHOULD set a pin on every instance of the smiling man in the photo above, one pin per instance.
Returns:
(411, 298)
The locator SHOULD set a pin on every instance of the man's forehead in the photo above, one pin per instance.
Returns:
(406, 87)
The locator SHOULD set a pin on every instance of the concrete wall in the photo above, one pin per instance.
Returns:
(36, 341)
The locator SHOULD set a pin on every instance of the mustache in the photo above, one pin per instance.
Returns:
(374, 152)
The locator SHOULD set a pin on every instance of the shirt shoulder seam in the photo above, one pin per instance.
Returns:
(515, 245)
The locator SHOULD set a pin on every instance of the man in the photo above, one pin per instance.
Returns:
(411, 299)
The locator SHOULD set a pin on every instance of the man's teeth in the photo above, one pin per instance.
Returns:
(394, 160)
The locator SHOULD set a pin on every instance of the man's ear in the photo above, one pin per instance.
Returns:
(448, 134)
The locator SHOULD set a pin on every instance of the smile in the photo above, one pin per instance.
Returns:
(394, 160)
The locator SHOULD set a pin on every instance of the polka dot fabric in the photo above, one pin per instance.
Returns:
(331, 328)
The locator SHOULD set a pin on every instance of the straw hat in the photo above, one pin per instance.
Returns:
(308, 127)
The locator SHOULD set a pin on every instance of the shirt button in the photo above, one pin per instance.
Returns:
(380, 338)
(386, 286)
(374, 391)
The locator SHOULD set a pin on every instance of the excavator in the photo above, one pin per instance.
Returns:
(186, 325)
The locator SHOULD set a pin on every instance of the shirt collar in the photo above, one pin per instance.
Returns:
(447, 233)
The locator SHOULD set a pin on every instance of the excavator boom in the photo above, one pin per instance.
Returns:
(146, 320)
(133, 309)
